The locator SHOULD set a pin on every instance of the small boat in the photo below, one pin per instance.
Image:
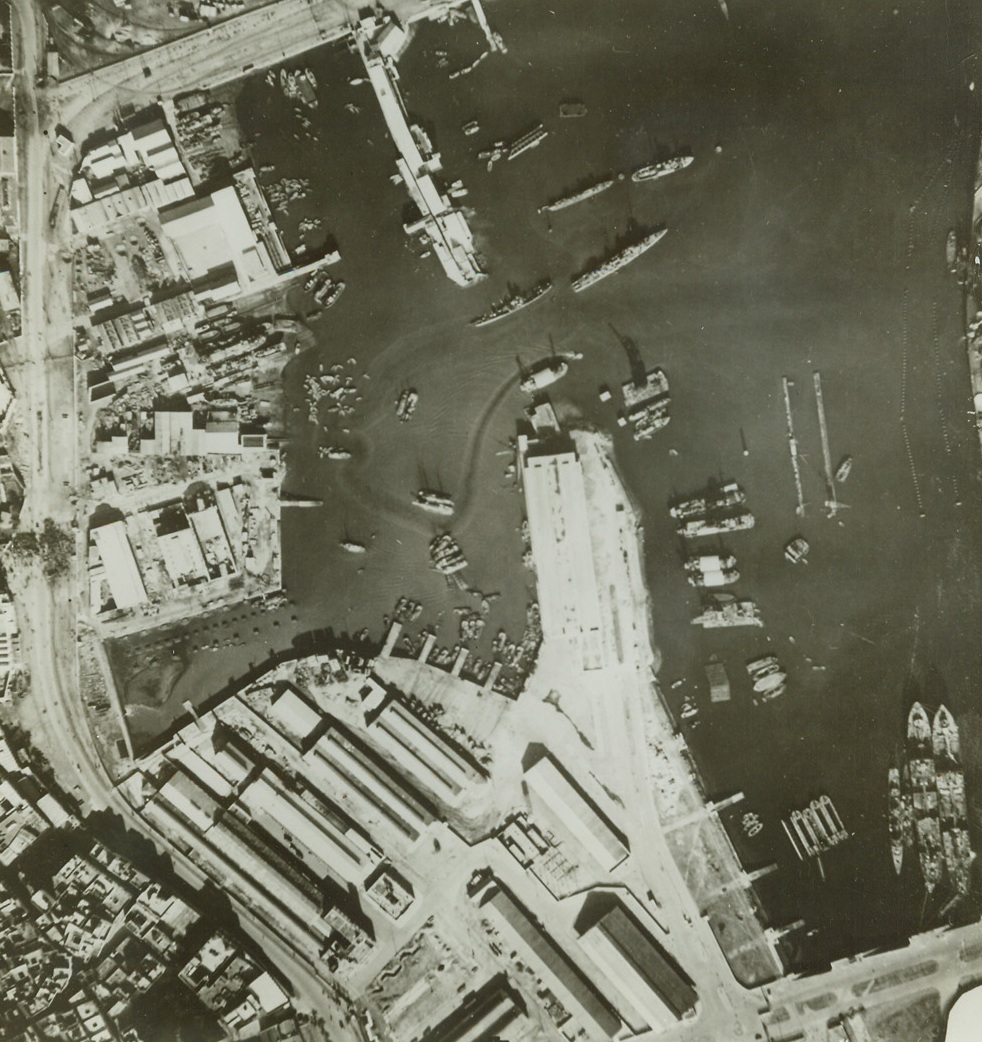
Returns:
(796, 550)
(333, 452)
(406, 404)
(352, 546)
(843, 470)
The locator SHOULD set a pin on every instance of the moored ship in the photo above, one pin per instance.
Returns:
(716, 497)
(580, 195)
(515, 302)
(900, 819)
(617, 261)
(716, 525)
(327, 295)
(655, 170)
(436, 502)
(722, 610)
(709, 570)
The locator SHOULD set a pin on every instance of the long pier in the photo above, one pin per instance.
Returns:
(793, 448)
(831, 502)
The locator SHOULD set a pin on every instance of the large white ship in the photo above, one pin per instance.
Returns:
(617, 261)
(655, 170)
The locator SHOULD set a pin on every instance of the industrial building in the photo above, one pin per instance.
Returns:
(119, 567)
(575, 813)
(554, 968)
(209, 239)
(415, 746)
(481, 1015)
(338, 763)
(649, 989)
(559, 533)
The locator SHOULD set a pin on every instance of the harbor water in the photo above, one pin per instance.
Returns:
(834, 147)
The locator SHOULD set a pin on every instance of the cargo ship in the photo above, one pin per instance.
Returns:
(900, 819)
(716, 497)
(722, 610)
(529, 140)
(510, 304)
(581, 195)
(436, 502)
(542, 374)
(617, 261)
(952, 805)
(844, 469)
(716, 525)
(924, 796)
(655, 170)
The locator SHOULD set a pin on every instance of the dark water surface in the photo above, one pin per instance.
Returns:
(813, 240)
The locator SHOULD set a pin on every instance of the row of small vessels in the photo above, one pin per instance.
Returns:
(720, 508)
(928, 814)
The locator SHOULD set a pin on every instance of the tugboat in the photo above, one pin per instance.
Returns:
(797, 550)
(436, 502)
(406, 404)
(542, 374)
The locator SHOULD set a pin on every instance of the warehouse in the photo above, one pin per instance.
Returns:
(481, 1016)
(121, 570)
(653, 990)
(559, 532)
(350, 770)
(575, 812)
(550, 963)
(414, 745)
